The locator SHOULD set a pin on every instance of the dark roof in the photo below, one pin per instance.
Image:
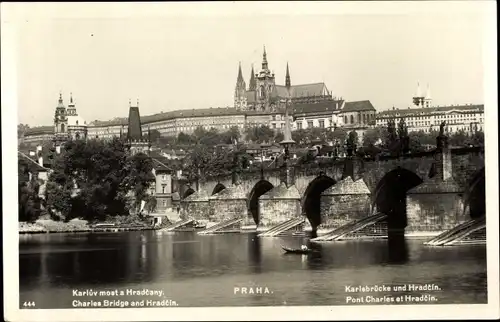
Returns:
(302, 90)
(160, 166)
(40, 130)
(33, 165)
(321, 106)
(134, 124)
(358, 106)
(431, 110)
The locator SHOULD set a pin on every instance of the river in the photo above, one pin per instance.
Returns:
(242, 270)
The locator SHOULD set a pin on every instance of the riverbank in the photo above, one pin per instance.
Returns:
(76, 226)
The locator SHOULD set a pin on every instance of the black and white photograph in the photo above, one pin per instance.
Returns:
(215, 161)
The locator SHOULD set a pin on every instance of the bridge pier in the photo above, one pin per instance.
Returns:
(228, 203)
(278, 205)
(344, 202)
(196, 206)
(436, 204)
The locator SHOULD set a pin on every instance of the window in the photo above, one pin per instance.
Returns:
(322, 124)
(359, 118)
(299, 125)
(345, 119)
(274, 125)
(309, 124)
(352, 119)
(282, 125)
(163, 188)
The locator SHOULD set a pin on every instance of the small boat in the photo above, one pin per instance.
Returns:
(297, 250)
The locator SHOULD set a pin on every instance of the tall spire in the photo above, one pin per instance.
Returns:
(428, 93)
(264, 59)
(240, 74)
(71, 98)
(288, 84)
(240, 82)
(419, 92)
(253, 84)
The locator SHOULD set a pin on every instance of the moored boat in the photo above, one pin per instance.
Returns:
(296, 250)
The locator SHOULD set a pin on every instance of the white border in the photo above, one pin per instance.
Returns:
(12, 13)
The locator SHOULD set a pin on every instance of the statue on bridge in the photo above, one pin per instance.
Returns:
(441, 128)
(442, 139)
(404, 139)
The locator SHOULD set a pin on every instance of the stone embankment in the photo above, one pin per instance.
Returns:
(75, 226)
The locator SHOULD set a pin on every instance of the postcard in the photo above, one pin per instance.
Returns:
(250, 161)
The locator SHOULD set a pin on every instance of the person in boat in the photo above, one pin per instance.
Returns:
(304, 248)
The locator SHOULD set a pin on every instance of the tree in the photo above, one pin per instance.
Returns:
(154, 135)
(93, 179)
(260, 134)
(278, 137)
(29, 202)
(232, 135)
(375, 136)
(184, 138)
(338, 135)
(476, 138)
(139, 176)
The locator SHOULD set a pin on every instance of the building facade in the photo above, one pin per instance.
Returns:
(425, 117)
(468, 118)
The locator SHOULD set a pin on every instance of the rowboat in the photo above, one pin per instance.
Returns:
(296, 250)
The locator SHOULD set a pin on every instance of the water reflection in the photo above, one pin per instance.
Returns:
(190, 265)
(397, 248)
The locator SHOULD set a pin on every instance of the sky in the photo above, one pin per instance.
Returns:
(180, 57)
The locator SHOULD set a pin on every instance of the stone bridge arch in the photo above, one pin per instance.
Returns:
(311, 198)
(389, 196)
(475, 195)
(260, 188)
(218, 188)
(189, 191)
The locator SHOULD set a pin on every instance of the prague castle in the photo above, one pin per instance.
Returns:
(263, 94)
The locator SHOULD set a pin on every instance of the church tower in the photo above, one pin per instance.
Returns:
(428, 99)
(418, 98)
(265, 85)
(60, 123)
(240, 97)
(136, 142)
(71, 106)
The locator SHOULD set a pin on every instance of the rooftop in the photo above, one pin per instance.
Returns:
(431, 110)
(358, 106)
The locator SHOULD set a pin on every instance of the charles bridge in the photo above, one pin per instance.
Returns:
(426, 192)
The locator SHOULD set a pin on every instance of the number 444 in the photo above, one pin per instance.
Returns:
(29, 304)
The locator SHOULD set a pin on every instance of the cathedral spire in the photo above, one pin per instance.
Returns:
(71, 98)
(240, 82)
(428, 93)
(240, 74)
(253, 84)
(264, 59)
(288, 83)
